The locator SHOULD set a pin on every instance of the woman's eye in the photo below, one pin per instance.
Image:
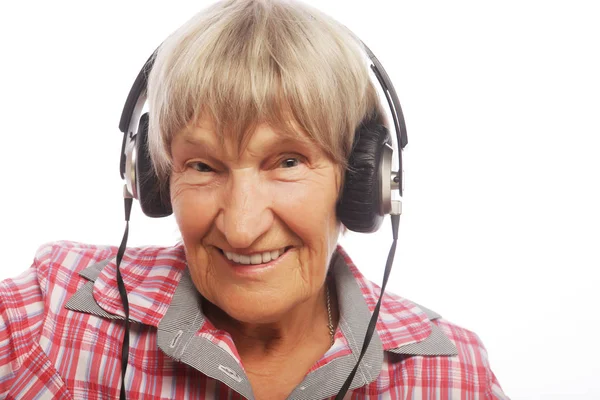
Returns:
(200, 167)
(289, 162)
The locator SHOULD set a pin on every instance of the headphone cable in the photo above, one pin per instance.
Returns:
(123, 292)
(371, 328)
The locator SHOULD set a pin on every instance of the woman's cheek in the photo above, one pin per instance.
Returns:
(292, 197)
(304, 209)
(308, 195)
(194, 207)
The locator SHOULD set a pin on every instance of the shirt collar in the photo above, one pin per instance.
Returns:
(151, 276)
(154, 276)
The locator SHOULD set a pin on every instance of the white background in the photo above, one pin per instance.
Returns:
(500, 231)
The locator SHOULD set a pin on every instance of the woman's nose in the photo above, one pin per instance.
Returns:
(246, 214)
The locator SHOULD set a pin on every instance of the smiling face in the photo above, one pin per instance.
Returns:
(277, 195)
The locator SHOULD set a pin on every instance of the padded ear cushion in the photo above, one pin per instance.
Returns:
(155, 201)
(359, 203)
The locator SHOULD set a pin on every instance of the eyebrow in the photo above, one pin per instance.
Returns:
(199, 141)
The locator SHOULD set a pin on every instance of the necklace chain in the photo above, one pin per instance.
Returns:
(331, 331)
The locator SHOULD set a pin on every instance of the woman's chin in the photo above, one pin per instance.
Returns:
(250, 310)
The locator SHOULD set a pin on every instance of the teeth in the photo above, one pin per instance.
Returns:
(266, 256)
(258, 258)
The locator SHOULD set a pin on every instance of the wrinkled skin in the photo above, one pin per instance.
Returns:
(276, 193)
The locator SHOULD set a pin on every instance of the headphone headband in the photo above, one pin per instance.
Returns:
(365, 199)
(133, 107)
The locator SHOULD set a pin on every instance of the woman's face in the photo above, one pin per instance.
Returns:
(270, 209)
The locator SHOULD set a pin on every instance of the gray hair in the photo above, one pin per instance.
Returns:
(246, 62)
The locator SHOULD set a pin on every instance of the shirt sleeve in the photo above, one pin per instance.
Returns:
(21, 318)
(494, 389)
(497, 392)
(473, 358)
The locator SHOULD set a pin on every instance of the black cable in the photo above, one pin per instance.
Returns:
(373, 322)
(124, 300)
(370, 329)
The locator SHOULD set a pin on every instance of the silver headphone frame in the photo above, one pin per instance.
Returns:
(388, 183)
(131, 183)
(130, 170)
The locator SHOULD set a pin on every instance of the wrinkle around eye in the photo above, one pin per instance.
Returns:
(296, 173)
(188, 178)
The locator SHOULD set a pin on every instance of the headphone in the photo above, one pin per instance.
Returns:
(369, 181)
(365, 199)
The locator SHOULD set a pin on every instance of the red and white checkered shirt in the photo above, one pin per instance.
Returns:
(61, 331)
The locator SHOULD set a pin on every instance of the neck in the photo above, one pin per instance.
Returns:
(307, 324)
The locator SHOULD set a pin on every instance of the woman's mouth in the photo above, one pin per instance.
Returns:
(258, 259)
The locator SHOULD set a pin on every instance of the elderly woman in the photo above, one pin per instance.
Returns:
(255, 108)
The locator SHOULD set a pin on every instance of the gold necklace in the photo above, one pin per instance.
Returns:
(331, 331)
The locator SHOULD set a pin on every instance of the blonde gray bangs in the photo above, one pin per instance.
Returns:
(246, 62)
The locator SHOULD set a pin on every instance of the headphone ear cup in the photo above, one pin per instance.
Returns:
(360, 201)
(154, 199)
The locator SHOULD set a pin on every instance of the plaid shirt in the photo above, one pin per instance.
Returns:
(61, 331)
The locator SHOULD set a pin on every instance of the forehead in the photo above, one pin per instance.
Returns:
(205, 129)
(258, 137)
